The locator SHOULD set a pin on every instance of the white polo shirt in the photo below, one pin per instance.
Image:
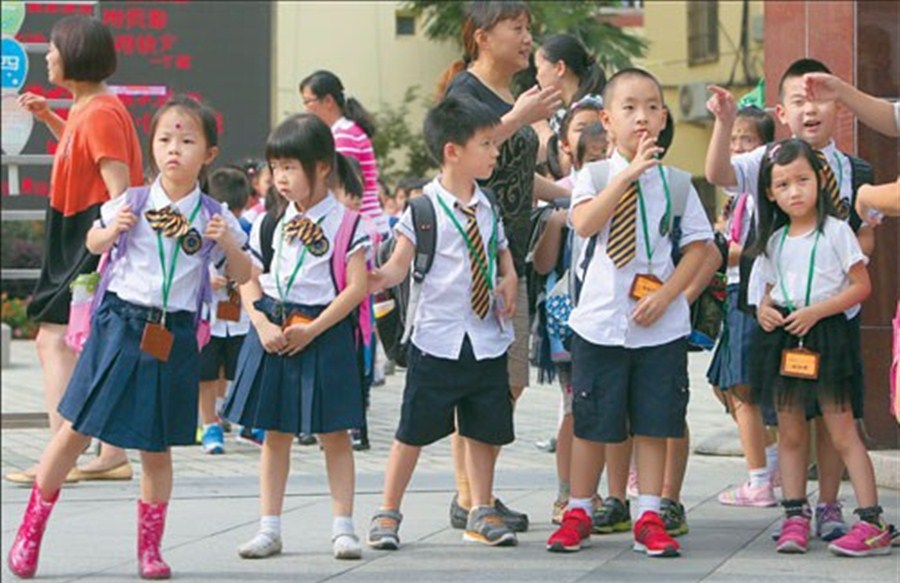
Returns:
(603, 315)
(444, 313)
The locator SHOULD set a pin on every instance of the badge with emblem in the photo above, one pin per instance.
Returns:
(843, 209)
(319, 247)
(191, 242)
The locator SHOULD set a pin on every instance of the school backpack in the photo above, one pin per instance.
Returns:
(707, 312)
(80, 318)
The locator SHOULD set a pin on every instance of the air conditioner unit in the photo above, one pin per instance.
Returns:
(692, 102)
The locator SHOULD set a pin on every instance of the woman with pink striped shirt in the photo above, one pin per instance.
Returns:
(323, 95)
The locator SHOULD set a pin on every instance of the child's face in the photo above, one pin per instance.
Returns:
(744, 137)
(509, 42)
(179, 147)
(635, 110)
(477, 157)
(351, 202)
(576, 126)
(291, 182)
(795, 189)
(811, 121)
(263, 181)
(595, 150)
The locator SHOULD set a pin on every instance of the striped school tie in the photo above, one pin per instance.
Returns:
(480, 297)
(169, 221)
(302, 228)
(829, 182)
(622, 243)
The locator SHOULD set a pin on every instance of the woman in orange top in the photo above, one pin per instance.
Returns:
(98, 157)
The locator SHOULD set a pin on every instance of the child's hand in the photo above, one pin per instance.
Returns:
(125, 219)
(218, 282)
(769, 318)
(537, 104)
(821, 86)
(271, 337)
(506, 292)
(36, 105)
(651, 307)
(218, 231)
(298, 337)
(721, 104)
(646, 157)
(801, 321)
(375, 281)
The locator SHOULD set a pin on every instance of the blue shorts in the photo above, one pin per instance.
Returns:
(629, 391)
(476, 392)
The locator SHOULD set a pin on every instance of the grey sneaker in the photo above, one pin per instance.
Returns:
(830, 523)
(459, 516)
(486, 526)
(515, 521)
(612, 516)
(674, 517)
(263, 545)
(384, 530)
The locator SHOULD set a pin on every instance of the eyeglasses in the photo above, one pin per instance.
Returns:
(308, 100)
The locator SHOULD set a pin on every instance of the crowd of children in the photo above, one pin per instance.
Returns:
(233, 306)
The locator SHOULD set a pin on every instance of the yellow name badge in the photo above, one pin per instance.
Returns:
(295, 318)
(644, 284)
(800, 363)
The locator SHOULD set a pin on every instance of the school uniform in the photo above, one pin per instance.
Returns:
(226, 336)
(317, 390)
(786, 268)
(118, 393)
(457, 360)
(629, 379)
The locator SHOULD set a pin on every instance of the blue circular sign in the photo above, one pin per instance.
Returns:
(13, 64)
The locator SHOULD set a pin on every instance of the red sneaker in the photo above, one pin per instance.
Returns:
(574, 533)
(650, 536)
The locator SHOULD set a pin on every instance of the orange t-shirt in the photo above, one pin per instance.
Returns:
(102, 128)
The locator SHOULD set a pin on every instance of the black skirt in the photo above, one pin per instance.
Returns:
(833, 389)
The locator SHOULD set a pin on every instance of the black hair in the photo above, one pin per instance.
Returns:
(454, 121)
(201, 112)
(86, 48)
(592, 133)
(231, 186)
(554, 162)
(305, 138)
(577, 107)
(251, 166)
(347, 174)
(382, 183)
(770, 215)
(609, 88)
(569, 50)
(762, 122)
(799, 68)
(323, 83)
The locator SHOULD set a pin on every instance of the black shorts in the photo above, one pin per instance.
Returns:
(629, 391)
(220, 352)
(476, 391)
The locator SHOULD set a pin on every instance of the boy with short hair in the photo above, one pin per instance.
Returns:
(457, 375)
(629, 352)
(815, 122)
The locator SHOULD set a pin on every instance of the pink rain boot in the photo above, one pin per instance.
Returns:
(23, 556)
(151, 523)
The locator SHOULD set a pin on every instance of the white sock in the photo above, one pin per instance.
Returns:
(342, 525)
(647, 503)
(208, 425)
(759, 477)
(583, 503)
(270, 525)
(772, 458)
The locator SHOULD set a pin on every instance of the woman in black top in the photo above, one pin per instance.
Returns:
(497, 44)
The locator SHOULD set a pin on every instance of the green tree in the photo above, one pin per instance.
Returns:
(399, 148)
(613, 47)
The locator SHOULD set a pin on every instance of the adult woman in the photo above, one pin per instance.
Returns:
(497, 43)
(323, 95)
(98, 156)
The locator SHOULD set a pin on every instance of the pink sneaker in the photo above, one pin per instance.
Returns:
(632, 489)
(746, 495)
(794, 535)
(863, 540)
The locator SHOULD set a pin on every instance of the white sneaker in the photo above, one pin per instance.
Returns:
(262, 545)
(346, 546)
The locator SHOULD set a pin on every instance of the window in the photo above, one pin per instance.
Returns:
(404, 25)
(703, 31)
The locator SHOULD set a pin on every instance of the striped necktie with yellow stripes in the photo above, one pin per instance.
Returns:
(622, 243)
(829, 182)
(480, 296)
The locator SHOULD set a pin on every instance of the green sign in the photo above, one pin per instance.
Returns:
(13, 12)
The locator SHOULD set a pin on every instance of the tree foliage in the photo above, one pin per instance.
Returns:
(399, 148)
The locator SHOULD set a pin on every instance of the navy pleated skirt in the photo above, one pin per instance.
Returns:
(731, 360)
(317, 390)
(126, 397)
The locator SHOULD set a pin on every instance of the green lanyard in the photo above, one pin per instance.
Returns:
(282, 293)
(809, 281)
(665, 220)
(486, 271)
(170, 276)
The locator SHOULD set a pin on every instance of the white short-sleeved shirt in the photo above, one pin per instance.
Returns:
(224, 328)
(137, 276)
(603, 313)
(444, 313)
(314, 285)
(837, 251)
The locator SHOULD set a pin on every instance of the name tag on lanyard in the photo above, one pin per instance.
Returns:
(800, 363)
(157, 341)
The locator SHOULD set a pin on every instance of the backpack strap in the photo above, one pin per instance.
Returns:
(679, 190)
(342, 241)
(599, 172)
(211, 207)
(266, 237)
(425, 225)
(737, 218)
(861, 172)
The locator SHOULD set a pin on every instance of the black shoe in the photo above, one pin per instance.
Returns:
(306, 439)
(515, 521)
(674, 517)
(360, 438)
(612, 516)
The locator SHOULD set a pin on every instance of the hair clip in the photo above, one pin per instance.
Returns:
(589, 99)
(773, 151)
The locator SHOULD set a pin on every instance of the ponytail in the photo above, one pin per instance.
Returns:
(554, 165)
(354, 111)
(593, 81)
(570, 50)
(347, 174)
(455, 68)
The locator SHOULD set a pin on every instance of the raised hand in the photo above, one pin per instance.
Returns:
(35, 104)
(537, 104)
(821, 86)
(721, 104)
